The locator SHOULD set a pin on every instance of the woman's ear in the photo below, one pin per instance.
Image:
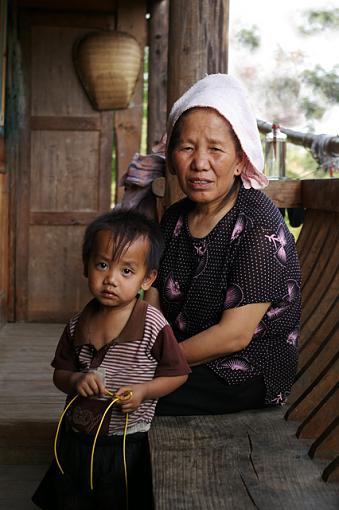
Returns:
(240, 163)
(149, 279)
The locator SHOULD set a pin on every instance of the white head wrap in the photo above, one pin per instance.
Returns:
(228, 96)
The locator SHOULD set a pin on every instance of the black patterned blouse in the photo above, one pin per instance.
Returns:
(248, 257)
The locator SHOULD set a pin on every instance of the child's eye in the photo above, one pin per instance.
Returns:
(102, 266)
(126, 271)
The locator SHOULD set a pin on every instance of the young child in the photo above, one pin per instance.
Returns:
(117, 346)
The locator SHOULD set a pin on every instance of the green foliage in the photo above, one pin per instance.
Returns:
(249, 37)
(312, 109)
(323, 82)
(314, 21)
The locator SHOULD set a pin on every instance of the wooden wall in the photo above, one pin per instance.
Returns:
(36, 214)
(3, 247)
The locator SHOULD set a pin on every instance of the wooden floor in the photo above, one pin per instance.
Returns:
(29, 408)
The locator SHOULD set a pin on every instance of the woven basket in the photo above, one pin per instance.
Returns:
(108, 65)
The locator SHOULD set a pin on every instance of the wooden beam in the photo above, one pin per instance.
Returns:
(127, 123)
(157, 73)
(198, 44)
(284, 193)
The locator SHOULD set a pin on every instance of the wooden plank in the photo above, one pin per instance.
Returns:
(4, 245)
(306, 397)
(322, 274)
(321, 308)
(313, 340)
(236, 461)
(321, 416)
(61, 218)
(17, 485)
(319, 360)
(314, 220)
(80, 5)
(286, 193)
(42, 123)
(331, 472)
(321, 194)
(327, 444)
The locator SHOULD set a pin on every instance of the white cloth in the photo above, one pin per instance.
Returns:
(227, 95)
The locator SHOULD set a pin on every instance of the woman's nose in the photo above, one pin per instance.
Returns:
(200, 161)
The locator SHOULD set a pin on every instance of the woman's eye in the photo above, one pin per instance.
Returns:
(216, 149)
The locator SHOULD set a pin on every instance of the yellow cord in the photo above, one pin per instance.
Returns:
(57, 433)
(116, 399)
(124, 456)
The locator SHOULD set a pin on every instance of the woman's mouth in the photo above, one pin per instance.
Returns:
(199, 183)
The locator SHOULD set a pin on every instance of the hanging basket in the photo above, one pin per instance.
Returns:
(108, 65)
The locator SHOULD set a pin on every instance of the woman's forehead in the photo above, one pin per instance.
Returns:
(205, 120)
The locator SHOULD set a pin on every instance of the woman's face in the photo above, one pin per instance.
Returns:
(206, 158)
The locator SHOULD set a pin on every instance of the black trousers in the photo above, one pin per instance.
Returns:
(71, 491)
(206, 393)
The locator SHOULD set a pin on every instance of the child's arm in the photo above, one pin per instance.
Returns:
(156, 388)
(85, 384)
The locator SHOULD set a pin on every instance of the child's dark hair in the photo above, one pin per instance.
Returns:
(125, 225)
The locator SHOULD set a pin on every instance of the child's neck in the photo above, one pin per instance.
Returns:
(106, 323)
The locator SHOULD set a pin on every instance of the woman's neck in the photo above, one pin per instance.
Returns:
(203, 217)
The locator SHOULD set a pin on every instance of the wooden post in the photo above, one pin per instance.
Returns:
(127, 123)
(198, 45)
(157, 72)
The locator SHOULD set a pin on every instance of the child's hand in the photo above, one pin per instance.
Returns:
(88, 384)
(132, 397)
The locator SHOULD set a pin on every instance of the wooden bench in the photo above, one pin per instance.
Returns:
(261, 459)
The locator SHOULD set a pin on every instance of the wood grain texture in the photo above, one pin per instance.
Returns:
(321, 416)
(128, 122)
(65, 167)
(284, 193)
(237, 461)
(320, 194)
(157, 80)
(331, 472)
(30, 406)
(4, 246)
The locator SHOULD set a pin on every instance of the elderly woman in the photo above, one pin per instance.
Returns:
(229, 282)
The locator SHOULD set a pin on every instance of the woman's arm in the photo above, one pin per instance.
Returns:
(232, 334)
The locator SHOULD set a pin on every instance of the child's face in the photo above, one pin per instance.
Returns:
(116, 283)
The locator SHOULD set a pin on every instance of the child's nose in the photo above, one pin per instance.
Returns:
(110, 277)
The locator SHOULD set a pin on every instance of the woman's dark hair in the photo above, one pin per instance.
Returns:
(126, 226)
